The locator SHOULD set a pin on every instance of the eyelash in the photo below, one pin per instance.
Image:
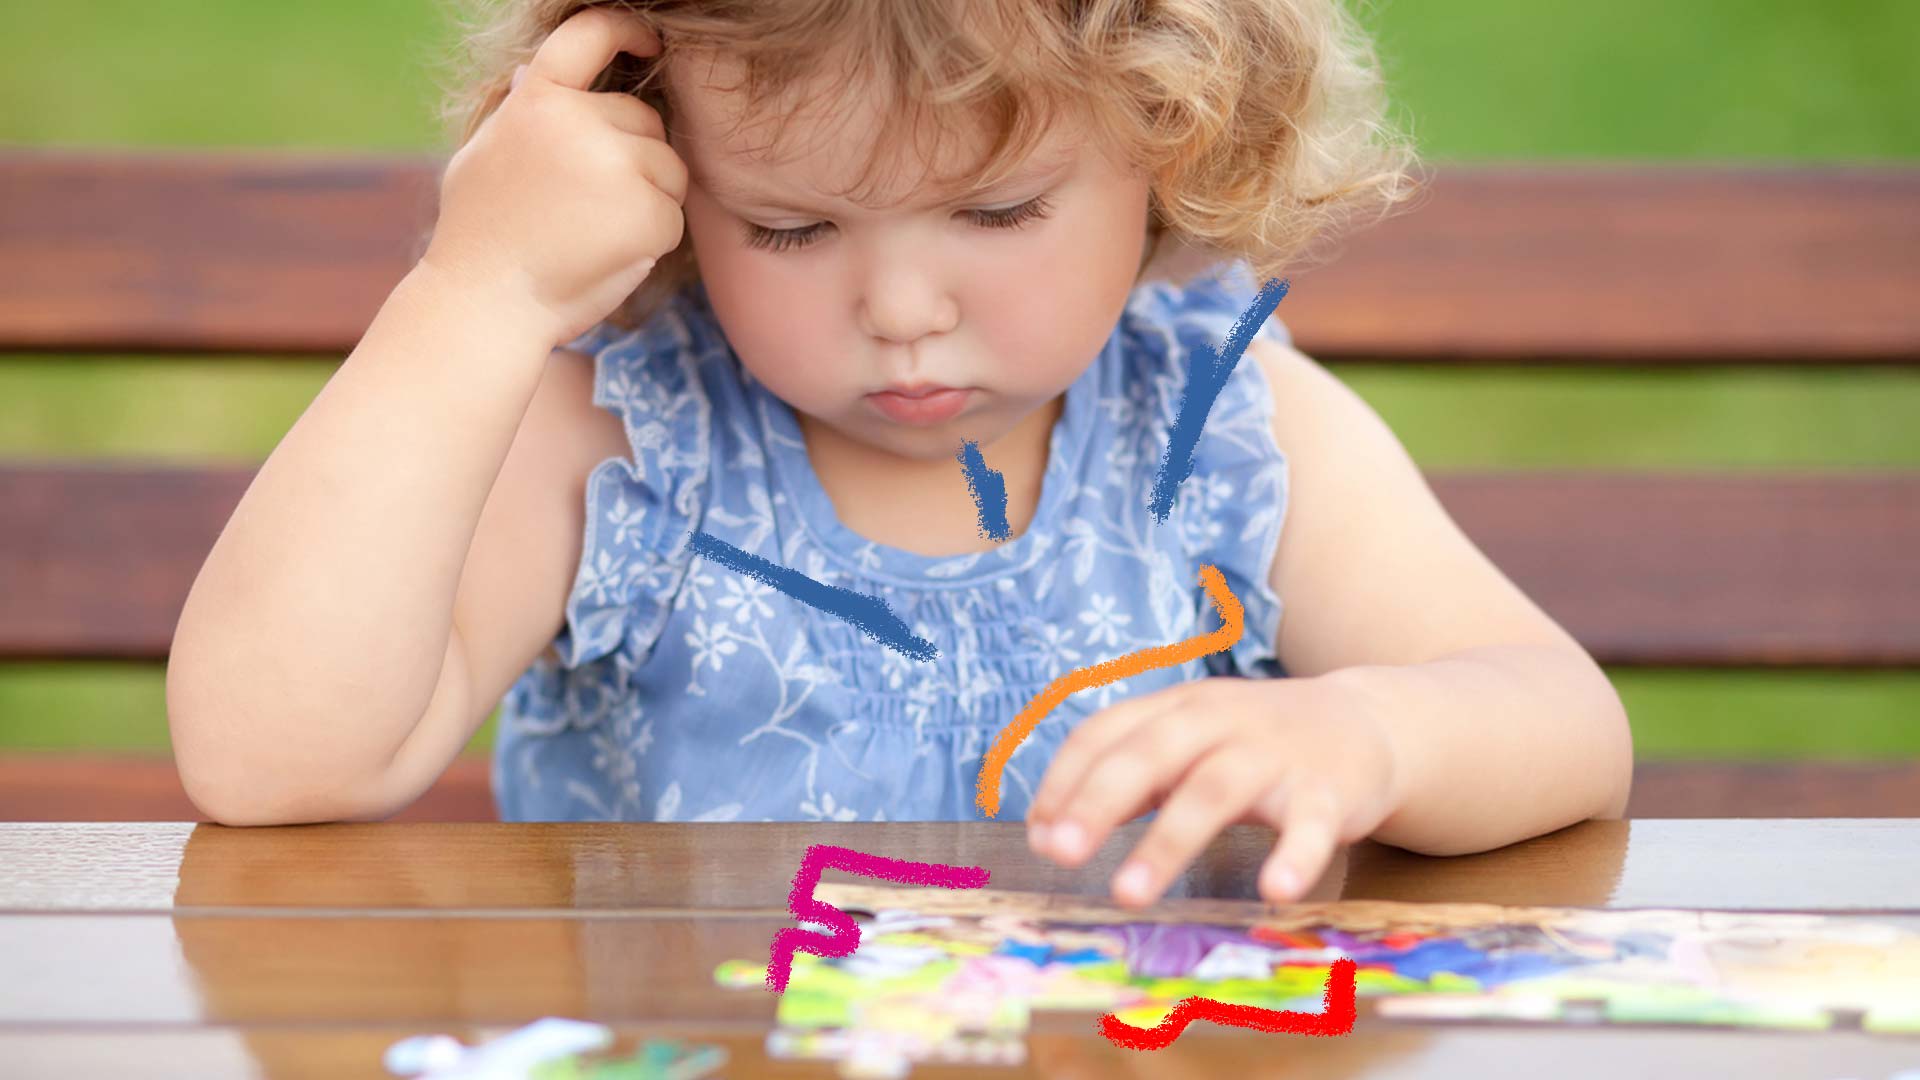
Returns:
(1007, 217)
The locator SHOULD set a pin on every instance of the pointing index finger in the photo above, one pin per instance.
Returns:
(579, 49)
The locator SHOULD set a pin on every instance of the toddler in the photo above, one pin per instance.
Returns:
(759, 270)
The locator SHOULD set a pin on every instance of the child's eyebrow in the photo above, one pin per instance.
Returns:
(737, 192)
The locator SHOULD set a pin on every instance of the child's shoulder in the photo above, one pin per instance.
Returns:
(1169, 332)
(1361, 501)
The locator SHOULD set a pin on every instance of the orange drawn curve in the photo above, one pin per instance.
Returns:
(1232, 625)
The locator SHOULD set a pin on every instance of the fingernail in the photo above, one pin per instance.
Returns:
(1069, 840)
(1285, 882)
(1036, 837)
(1132, 882)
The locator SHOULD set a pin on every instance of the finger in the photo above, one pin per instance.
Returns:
(1215, 793)
(1051, 833)
(1144, 766)
(665, 224)
(580, 48)
(660, 164)
(1308, 834)
(1090, 739)
(629, 114)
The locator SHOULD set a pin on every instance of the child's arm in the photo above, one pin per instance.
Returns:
(1504, 727)
(403, 555)
(1432, 705)
(319, 671)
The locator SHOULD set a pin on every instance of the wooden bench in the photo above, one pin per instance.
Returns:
(1660, 267)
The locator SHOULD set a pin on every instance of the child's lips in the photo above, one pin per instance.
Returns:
(921, 405)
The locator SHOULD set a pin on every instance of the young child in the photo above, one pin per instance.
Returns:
(906, 226)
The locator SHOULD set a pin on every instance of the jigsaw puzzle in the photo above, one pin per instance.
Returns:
(954, 977)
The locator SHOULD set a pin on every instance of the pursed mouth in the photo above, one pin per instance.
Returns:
(920, 405)
(918, 390)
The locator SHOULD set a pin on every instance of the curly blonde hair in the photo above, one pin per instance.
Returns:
(1261, 123)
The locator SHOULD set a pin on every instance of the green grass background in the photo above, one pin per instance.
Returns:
(1704, 81)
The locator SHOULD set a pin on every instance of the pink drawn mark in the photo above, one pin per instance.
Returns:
(846, 933)
(1337, 1016)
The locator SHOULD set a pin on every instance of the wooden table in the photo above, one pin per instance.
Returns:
(198, 951)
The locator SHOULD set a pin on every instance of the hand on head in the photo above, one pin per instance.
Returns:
(564, 198)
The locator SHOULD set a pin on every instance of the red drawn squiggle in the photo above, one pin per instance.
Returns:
(846, 933)
(1336, 1018)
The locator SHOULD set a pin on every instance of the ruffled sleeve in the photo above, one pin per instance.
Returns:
(1231, 509)
(599, 337)
(641, 507)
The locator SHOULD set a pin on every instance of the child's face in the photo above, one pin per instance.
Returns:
(980, 324)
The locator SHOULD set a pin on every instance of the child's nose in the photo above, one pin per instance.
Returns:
(903, 306)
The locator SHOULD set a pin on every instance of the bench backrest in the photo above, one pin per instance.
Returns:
(1576, 265)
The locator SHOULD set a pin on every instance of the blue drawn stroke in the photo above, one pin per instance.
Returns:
(869, 613)
(1207, 373)
(989, 490)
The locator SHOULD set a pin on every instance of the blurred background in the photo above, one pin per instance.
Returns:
(1706, 81)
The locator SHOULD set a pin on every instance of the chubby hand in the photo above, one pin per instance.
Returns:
(1304, 755)
(564, 194)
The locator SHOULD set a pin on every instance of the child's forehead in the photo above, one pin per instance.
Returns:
(821, 135)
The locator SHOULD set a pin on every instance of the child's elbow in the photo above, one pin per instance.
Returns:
(224, 806)
(230, 786)
(1617, 775)
(234, 777)
(224, 800)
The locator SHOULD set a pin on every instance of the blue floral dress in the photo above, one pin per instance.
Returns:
(680, 690)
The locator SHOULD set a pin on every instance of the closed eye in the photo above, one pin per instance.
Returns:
(1006, 217)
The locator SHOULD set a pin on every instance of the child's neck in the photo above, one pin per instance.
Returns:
(925, 506)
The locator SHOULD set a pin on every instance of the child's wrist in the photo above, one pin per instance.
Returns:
(506, 309)
(1365, 698)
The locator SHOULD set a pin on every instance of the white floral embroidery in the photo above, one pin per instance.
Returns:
(710, 643)
(825, 810)
(953, 567)
(624, 519)
(601, 577)
(747, 597)
(700, 582)
(1054, 641)
(1104, 622)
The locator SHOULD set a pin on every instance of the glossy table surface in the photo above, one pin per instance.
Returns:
(194, 950)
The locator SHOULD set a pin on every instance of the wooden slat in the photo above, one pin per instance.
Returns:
(1814, 569)
(746, 869)
(1696, 569)
(1373, 1051)
(171, 970)
(225, 252)
(208, 252)
(96, 561)
(80, 787)
(1775, 789)
(1630, 263)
